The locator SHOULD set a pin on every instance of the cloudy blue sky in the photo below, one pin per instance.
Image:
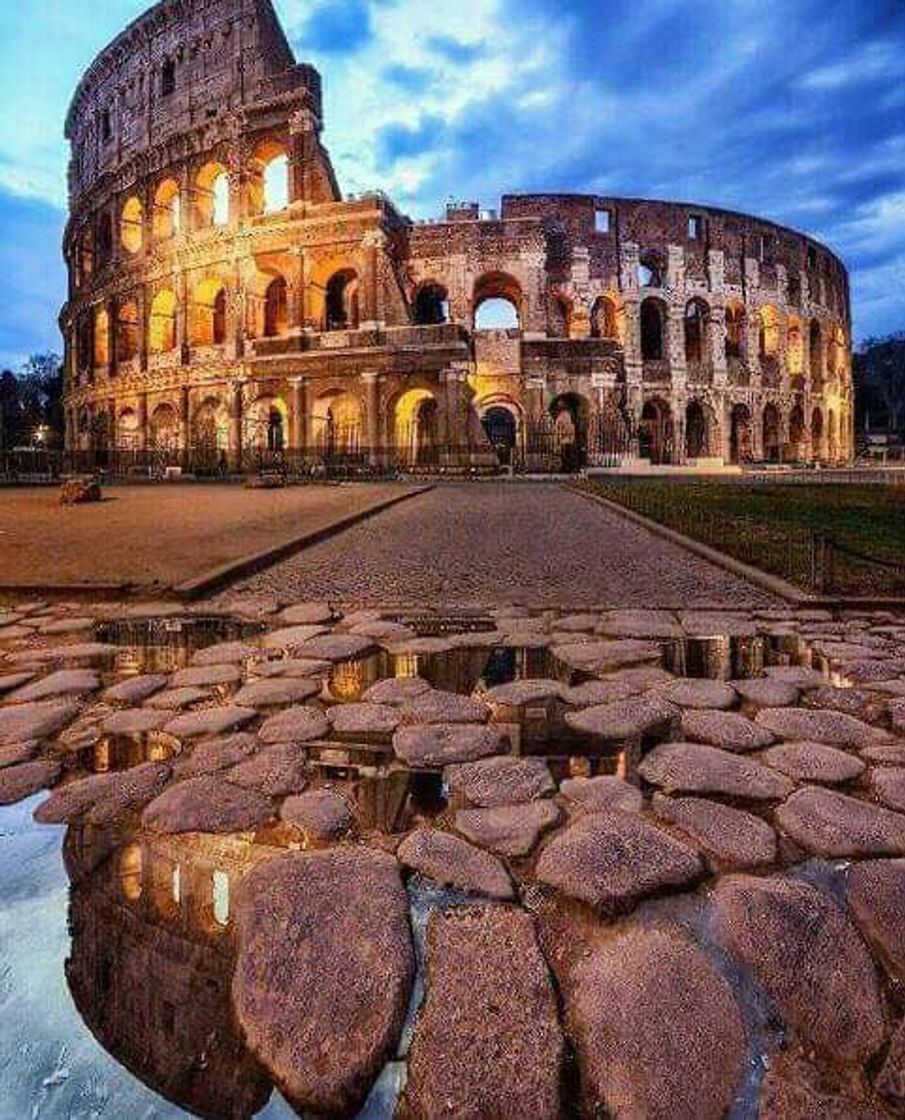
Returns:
(794, 109)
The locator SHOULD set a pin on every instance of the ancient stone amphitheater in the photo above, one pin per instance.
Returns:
(226, 300)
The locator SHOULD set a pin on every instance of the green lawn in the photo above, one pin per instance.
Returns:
(773, 526)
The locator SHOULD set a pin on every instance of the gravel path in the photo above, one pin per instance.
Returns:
(497, 544)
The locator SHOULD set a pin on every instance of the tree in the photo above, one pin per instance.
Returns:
(879, 373)
(31, 402)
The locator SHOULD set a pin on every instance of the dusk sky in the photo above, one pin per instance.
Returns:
(789, 109)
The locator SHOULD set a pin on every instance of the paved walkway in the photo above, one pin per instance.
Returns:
(493, 544)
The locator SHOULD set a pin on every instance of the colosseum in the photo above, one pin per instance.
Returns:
(229, 306)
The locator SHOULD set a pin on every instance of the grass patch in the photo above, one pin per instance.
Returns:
(806, 533)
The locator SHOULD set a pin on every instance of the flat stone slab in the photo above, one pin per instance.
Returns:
(698, 768)
(795, 1089)
(336, 647)
(103, 798)
(509, 830)
(204, 676)
(516, 694)
(134, 721)
(690, 692)
(12, 754)
(603, 792)
(888, 785)
(276, 692)
(634, 717)
(135, 689)
(219, 753)
(322, 1022)
(276, 771)
(364, 721)
(292, 667)
(175, 699)
(866, 706)
(65, 625)
(503, 780)
(35, 721)
(307, 614)
(800, 676)
(831, 824)
(767, 692)
(657, 1029)
(454, 862)
(397, 690)
(437, 706)
(19, 782)
(63, 682)
(226, 653)
(486, 981)
(729, 731)
(896, 710)
(206, 804)
(11, 681)
(640, 624)
(292, 637)
(592, 694)
(875, 892)
(294, 725)
(322, 814)
(826, 989)
(814, 762)
(210, 721)
(89, 652)
(716, 624)
(836, 729)
(433, 746)
(886, 754)
(729, 838)
(601, 657)
(612, 860)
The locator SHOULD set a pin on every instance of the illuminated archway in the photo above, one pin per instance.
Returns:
(167, 210)
(570, 414)
(817, 448)
(209, 313)
(128, 332)
(268, 185)
(656, 434)
(163, 428)
(212, 196)
(416, 427)
(740, 435)
(162, 329)
(768, 333)
(276, 308)
(101, 337)
(131, 226)
(735, 332)
(336, 421)
(604, 319)
(697, 320)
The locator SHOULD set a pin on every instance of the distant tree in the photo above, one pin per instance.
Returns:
(31, 402)
(879, 373)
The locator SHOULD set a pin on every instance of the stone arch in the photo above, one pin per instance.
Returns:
(832, 446)
(210, 426)
(163, 428)
(212, 189)
(337, 423)
(605, 319)
(128, 429)
(208, 313)
(768, 332)
(497, 302)
(162, 327)
(268, 186)
(167, 220)
(772, 433)
(651, 268)
(796, 434)
(101, 343)
(430, 306)
(502, 423)
(741, 432)
(559, 315)
(817, 448)
(701, 430)
(656, 431)
(131, 225)
(266, 424)
(815, 353)
(697, 331)
(276, 307)
(128, 331)
(104, 239)
(795, 349)
(85, 253)
(416, 415)
(571, 414)
(653, 320)
(735, 331)
(341, 301)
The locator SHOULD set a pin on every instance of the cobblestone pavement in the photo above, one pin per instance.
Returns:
(495, 544)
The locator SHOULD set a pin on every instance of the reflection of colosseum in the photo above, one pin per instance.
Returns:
(225, 298)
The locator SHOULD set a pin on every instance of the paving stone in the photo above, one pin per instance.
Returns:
(865, 706)
(794, 1089)
(336, 647)
(19, 782)
(293, 638)
(219, 753)
(38, 720)
(697, 768)
(508, 830)
(886, 754)
(874, 671)
(226, 653)
(798, 675)
(322, 814)
(729, 731)
(888, 785)
(382, 629)
(814, 762)
(592, 694)
(204, 676)
(364, 721)
(604, 792)
(290, 667)
(631, 718)
(657, 1030)
(826, 990)
(502, 780)
(716, 624)
(729, 838)
(11, 681)
(836, 729)
(294, 725)
(641, 678)
(65, 625)
(453, 862)
(612, 860)
(135, 689)
(897, 715)
(437, 706)
(323, 1023)
(134, 721)
(767, 692)
(833, 825)
(486, 981)
(174, 699)
(516, 694)
(691, 692)
(276, 771)
(12, 754)
(307, 614)
(576, 623)
(103, 798)
(640, 624)
(63, 682)
(601, 657)
(210, 721)
(276, 692)
(875, 892)
(397, 690)
(206, 804)
(90, 652)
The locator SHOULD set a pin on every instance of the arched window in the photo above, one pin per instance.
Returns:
(496, 314)
(497, 300)
(131, 230)
(431, 305)
(128, 332)
(561, 317)
(652, 324)
(85, 254)
(276, 308)
(768, 333)
(275, 435)
(341, 305)
(697, 317)
(815, 346)
(735, 331)
(276, 184)
(209, 314)
(162, 332)
(604, 323)
(101, 338)
(212, 196)
(795, 350)
(651, 270)
(167, 210)
(104, 239)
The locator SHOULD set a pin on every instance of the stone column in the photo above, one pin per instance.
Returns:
(235, 423)
(142, 421)
(371, 380)
(111, 340)
(185, 418)
(372, 315)
(298, 419)
(112, 432)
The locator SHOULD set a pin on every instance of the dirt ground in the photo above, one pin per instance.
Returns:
(159, 536)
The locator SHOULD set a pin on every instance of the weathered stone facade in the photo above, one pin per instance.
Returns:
(224, 296)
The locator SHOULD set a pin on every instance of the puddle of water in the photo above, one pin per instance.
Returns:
(163, 645)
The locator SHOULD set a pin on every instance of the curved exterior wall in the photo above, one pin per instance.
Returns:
(321, 326)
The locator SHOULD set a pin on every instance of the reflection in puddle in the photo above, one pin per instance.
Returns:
(163, 645)
(113, 753)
